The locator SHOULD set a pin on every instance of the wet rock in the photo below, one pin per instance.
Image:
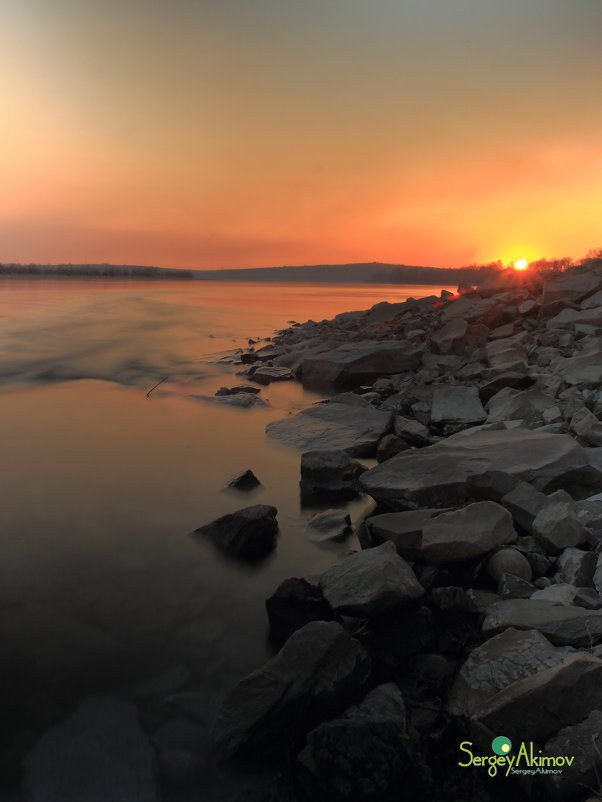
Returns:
(583, 369)
(456, 404)
(319, 671)
(244, 481)
(329, 525)
(561, 625)
(333, 426)
(330, 474)
(466, 533)
(509, 561)
(295, 603)
(267, 375)
(404, 529)
(97, 754)
(491, 485)
(438, 475)
(237, 400)
(370, 582)
(247, 534)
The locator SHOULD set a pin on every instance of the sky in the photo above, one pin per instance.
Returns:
(240, 133)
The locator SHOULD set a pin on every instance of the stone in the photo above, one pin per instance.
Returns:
(576, 567)
(509, 561)
(586, 427)
(452, 338)
(524, 502)
(351, 399)
(370, 582)
(247, 534)
(319, 672)
(583, 369)
(558, 594)
(491, 485)
(266, 374)
(516, 380)
(245, 400)
(561, 625)
(404, 529)
(456, 404)
(466, 533)
(329, 525)
(583, 741)
(513, 587)
(557, 527)
(333, 426)
(570, 287)
(357, 363)
(99, 753)
(438, 476)
(244, 481)
(365, 754)
(496, 664)
(528, 405)
(411, 431)
(389, 446)
(295, 603)
(330, 474)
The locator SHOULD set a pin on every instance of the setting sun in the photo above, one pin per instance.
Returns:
(521, 264)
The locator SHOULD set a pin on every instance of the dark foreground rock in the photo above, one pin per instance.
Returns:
(98, 754)
(573, 626)
(295, 603)
(318, 672)
(246, 534)
(330, 474)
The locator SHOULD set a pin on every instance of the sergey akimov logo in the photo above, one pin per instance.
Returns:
(527, 759)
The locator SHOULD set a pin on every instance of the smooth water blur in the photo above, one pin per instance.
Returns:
(100, 583)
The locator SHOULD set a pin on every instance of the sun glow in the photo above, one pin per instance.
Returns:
(521, 264)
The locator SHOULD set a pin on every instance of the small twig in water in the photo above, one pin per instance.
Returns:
(156, 385)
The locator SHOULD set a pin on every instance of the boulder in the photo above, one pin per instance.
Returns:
(452, 338)
(246, 480)
(576, 567)
(561, 625)
(586, 427)
(557, 526)
(358, 363)
(438, 475)
(295, 603)
(411, 431)
(558, 594)
(583, 369)
(333, 426)
(370, 582)
(329, 525)
(100, 753)
(246, 534)
(389, 446)
(524, 502)
(527, 405)
(466, 533)
(570, 287)
(456, 404)
(319, 672)
(509, 561)
(496, 664)
(583, 742)
(266, 374)
(363, 755)
(330, 474)
(404, 529)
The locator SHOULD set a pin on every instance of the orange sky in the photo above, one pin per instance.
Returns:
(210, 133)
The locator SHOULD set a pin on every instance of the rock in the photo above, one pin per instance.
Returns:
(452, 338)
(570, 286)
(524, 502)
(239, 388)
(516, 380)
(333, 426)
(389, 446)
(561, 625)
(404, 529)
(294, 604)
(363, 755)
(439, 475)
(513, 587)
(456, 404)
(544, 702)
(329, 525)
(246, 534)
(319, 672)
(509, 561)
(506, 356)
(358, 363)
(351, 399)
(466, 533)
(98, 754)
(237, 400)
(390, 639)
(330, 474)
(527, 405)
(491, 485)
(267, 375)
(586, 427)
(583, 369)
(496, 664)
(558, 594)
(370, 582)
(557, 526)
(411, 431)
(583, 741)
(576, 567)
(244, 481)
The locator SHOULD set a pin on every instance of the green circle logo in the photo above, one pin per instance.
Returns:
(501, 745)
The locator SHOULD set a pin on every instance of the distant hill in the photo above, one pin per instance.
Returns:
(362, 273)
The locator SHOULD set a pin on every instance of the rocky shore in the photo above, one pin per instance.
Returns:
(473, 610)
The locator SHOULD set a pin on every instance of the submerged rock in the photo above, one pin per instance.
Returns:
(247, 534)
(330, 474)
(244, 481)
(329, 525)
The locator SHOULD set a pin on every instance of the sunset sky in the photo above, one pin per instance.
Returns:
(226, 133)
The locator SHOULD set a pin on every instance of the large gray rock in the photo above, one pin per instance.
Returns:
(496, 664)
(267, 374)
(404, 529)
(358, 363)
(330, 473)
(527, 405)
(466, 533)
(572, 626)
(536, 707)
(333, 426)
(98, 754)
(455, 404)
(363, 754)
(509, 561)
(584, 368)
(438, 475)
(246, 534)
(557, 526)
(370, 582)
(524, 502)
(318, 672)
(582, 741)
(570, 286)
(329, 525)
(587, 427)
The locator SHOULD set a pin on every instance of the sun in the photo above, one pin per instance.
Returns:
(521, 264)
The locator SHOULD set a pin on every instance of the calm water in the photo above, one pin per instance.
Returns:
(100, 584)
